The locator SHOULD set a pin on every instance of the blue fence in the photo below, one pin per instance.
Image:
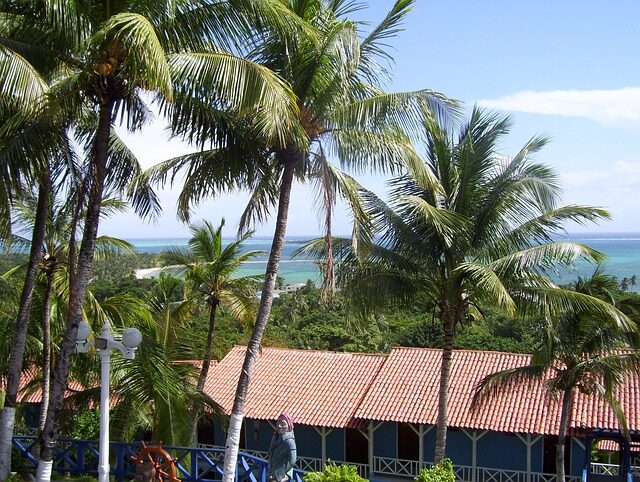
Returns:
(192, 464)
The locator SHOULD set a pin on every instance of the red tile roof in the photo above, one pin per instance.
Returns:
(346, 389)
(31, 392)
(406, 390)
(316, 387)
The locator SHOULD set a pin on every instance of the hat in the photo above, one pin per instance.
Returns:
(287, 418)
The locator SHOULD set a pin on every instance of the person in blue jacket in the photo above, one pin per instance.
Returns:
(282, 450)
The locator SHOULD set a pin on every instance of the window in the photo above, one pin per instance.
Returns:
(408, 442)
(356, 446)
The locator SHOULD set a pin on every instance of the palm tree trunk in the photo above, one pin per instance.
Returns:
(443, 393)
(329, 282)
(288, 158)
(565, 419)
(206, 363)
(329, 285)
(7, 419)
(77, 295)
(46, 351)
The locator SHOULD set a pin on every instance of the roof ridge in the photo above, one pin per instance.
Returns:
(332, 352)
(461, 350)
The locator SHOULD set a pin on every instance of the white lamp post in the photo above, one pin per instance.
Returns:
(131, 339)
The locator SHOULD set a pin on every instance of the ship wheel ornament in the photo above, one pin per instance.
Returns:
(154, 464)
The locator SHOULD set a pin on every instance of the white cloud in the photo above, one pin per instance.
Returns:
(603, 106)
(621, 175)
(614, 188)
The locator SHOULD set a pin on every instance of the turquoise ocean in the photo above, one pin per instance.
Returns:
(622, 250)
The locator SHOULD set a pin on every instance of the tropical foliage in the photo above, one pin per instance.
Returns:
(580, 351)
(210, 270)
(269, 93)
(475, 230)
(336, 77)
(99, 57)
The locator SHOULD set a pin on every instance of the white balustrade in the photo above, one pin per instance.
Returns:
(464, 473)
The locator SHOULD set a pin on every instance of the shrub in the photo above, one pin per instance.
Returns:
(440, 472)
(335, 473)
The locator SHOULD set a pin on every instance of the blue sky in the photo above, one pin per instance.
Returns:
(567, 69)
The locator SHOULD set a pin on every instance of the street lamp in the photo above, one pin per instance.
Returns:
(131, 339)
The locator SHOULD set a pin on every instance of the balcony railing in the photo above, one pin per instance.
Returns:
(205, 463)
(612, 469)
(464, 473)
(303, 464)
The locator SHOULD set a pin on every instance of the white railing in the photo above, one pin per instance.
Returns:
(604, 469)
(612, 469)
(464, 473)
(398, 467)
(306, 464)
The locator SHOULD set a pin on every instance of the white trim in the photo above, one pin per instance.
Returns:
(324, 432)
(474, 437)
(529, 443)
(424, 430)
(371, 429)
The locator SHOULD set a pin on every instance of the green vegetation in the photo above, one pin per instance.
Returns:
(440, 472)
(267, 93)
(584, 350)
(335, 473)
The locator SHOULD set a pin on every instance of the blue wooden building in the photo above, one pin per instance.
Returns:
(379, 412)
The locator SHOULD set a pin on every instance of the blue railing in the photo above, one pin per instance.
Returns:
(192, 464)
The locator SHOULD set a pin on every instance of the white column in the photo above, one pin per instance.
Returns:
(529, 442)
(474, 437)
(372, 427)
(323, 437)
(105, 361)
(370, 431)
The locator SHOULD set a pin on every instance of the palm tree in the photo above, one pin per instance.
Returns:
(210, 267)
(343, 113)
(581, 351)
(624, 284)
(158, 386)
(27, 143)
(476, 230)
(54, 262)
(104, 55)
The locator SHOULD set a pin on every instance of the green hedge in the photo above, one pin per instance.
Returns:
(335, 473)
(441, 472)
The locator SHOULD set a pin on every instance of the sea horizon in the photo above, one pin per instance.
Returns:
(622, 250)
(570, 235)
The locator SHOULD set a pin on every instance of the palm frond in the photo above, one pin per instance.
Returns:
(545, 256)
(374, 46)
(486, 284)
(20, 83)
(494, 384)
(130, 40)
(247, 88)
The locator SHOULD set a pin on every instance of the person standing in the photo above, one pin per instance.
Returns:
(282, 450)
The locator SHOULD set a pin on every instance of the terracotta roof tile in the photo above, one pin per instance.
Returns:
(316, 387)
(327, 389)
(28, 392)
(413, 373)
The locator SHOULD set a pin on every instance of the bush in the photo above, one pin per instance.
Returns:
(440, 472)
(335, 473)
